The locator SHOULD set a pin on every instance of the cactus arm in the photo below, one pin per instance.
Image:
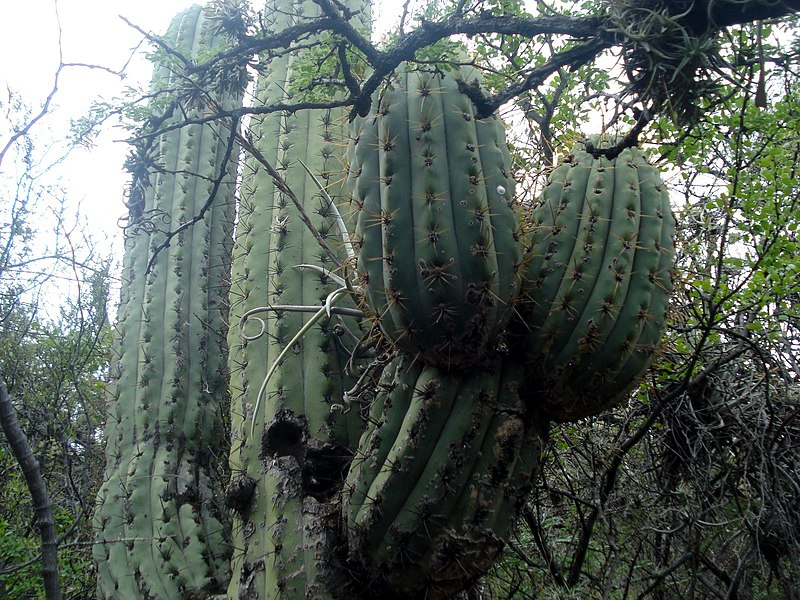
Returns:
(429, 507)
(377, 441)
(395, 281)
(635, 355)
(431, 404)
(289, 447)
(424, 128)
(502, 229)
(606, 298)
(601, 313)
(439, 460)
(434, 185)
(577, 276)
(622, 340)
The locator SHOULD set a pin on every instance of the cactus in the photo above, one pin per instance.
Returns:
(439, 253)
(292, 438)
(598, 281)
(492, 332)
(440, 473)
(159, 521)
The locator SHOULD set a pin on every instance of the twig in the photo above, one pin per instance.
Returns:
(223, 172)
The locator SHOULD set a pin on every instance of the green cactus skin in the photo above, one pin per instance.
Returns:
(440, 257)
(443, 467)
(598, 281)
(159, 520)
(285, 476)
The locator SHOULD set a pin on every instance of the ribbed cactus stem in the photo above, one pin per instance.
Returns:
(598, 281)
(441, 471)
(439, 256)
(160, 523)
(291, 440)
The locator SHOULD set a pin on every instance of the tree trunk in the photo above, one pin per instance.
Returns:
(38, 490)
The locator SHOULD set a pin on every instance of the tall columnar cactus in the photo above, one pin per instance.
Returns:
(439, 252)
(490, 334)
(598, 281)
(160, 522)
(292, 437)
(441, 471)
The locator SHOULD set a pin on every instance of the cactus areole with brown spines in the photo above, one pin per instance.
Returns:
(597, 282)
(439, 252)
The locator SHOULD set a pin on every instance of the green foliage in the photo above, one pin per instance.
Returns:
(55, 374)
(54, 344)
(688, 482)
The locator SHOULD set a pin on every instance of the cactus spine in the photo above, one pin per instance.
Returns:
(599, 280)
(294, 463)
(160, 526)
(439, 256)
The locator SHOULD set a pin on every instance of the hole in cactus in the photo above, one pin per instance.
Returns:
(283, 436)
(239, 493)
(501, 190)
(324, 471)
